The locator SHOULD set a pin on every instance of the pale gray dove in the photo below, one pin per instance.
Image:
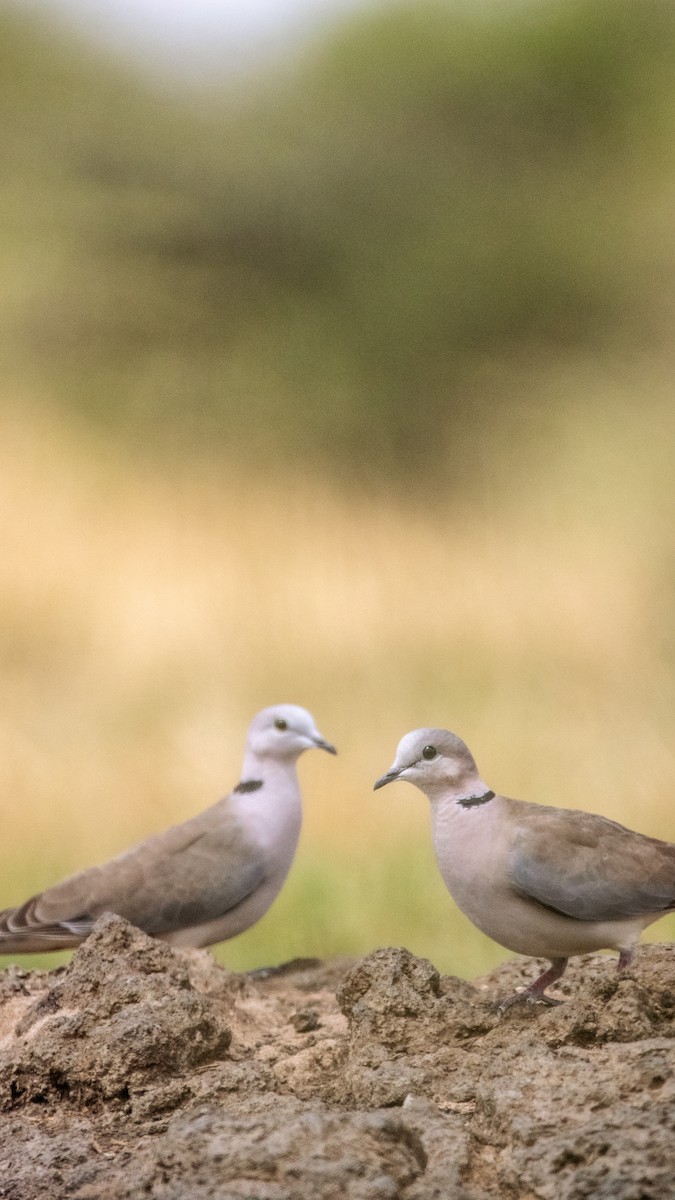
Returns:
(547, 882)
(200, 882)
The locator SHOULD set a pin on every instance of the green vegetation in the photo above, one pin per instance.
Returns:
(338, 259)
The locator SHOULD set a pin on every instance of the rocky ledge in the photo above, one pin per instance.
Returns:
(139, 1071)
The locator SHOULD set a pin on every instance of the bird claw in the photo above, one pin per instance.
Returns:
(509, 1001)
(544, 999)
(526, 997)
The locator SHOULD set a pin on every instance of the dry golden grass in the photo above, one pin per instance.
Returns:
(146, 617)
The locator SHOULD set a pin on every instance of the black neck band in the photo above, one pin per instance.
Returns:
(249, 785)
(474, 801)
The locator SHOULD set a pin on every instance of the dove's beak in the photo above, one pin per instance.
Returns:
(388, 778)
(322, 744)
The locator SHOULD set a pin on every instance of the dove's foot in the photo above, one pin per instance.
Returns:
(535, 993)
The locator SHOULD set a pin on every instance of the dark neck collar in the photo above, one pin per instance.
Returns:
(249, 785)
(474, 801)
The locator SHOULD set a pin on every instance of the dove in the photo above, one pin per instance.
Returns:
(541, 881)
(200, 882)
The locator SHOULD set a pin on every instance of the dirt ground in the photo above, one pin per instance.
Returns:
(138, 1071)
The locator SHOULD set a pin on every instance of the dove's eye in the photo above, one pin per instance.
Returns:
(279, 723)
(429, 752)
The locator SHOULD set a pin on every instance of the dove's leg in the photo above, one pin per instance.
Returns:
(537, 990)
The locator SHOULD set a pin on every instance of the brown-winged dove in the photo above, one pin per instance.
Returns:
(200, 882)
(547, 882)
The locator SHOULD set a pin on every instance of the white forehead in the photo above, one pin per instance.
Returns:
(296, 717)
(449, 744)
(411, 746)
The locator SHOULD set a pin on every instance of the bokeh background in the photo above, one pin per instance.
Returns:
(337, 368)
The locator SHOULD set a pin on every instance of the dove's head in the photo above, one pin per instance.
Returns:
(437, 762)
(284, 731)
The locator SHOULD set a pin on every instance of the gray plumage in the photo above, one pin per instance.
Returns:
(542, 881)
(609, 872)
(197, 883)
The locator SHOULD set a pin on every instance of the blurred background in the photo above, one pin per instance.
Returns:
(337, 361)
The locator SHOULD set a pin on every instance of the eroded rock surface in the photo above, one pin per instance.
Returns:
(139, 1071)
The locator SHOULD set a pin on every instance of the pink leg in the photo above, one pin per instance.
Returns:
(537, 990)
(625, 959)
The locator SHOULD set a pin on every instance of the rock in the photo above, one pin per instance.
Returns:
(406, 1034)
(281, 1156)
(123, 1013)
(619, 1008)
(140, 1070)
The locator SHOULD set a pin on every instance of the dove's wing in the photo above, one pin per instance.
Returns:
(589, 867)
(191, 874)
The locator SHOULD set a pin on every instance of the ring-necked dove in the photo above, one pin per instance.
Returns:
(547, 882)
(200, 882)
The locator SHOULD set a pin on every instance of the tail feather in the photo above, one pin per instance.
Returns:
(22, 932)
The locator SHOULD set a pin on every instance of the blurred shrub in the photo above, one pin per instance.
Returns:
(321, 261)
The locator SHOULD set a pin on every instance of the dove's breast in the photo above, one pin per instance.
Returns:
(472, 847)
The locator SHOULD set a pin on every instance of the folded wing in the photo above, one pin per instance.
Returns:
(588, 867)
(188, 875)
